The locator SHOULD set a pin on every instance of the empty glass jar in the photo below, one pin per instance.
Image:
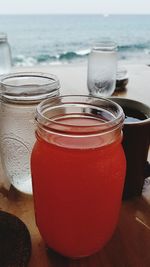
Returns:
(20, 94)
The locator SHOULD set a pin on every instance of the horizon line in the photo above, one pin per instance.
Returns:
(71, 14)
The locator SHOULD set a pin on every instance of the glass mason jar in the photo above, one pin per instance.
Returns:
(20, 94)
(102, 69)
(78, 169)
(5, 54)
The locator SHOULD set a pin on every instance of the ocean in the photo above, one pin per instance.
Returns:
(63, 39)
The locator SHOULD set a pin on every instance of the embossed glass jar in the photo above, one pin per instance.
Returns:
(20, 94)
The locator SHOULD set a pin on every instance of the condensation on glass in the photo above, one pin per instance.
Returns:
(102, 68)
(5, 54)
(20, 94)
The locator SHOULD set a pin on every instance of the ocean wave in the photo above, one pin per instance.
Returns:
(83, 52)
(133, 47)
(125, 51)
(68, 55)
(22, 60)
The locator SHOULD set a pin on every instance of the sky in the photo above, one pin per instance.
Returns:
(75, 6)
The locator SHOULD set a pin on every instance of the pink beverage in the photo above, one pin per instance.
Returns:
(77, 181)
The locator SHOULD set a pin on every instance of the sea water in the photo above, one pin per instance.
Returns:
(61, 39)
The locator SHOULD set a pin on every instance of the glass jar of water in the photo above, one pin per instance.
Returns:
(20, 94)
(102, 69)
(5, 54)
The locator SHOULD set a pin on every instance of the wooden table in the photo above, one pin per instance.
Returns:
(130, 244)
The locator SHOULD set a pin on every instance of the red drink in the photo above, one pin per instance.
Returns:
(77, 192)
(78, 169)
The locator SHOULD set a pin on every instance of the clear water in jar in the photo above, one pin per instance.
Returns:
(17, 140)
(102, 73)
(5, 58)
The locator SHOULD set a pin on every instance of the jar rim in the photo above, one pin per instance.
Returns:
(28, 86)
(3, 36)
(51, 77)
(126, 103)
(52, 123)
(105, 45)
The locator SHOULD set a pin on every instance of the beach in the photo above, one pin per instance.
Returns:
(60, 44)
(62, 39)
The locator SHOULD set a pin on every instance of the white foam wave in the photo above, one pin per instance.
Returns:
(83, 52)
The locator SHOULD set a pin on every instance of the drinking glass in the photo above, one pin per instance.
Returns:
(5, 54)
(78, 170)
(20, 94)
(102, 68)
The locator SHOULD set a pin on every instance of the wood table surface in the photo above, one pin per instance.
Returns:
(130, 244)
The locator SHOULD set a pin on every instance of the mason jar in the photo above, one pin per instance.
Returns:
(20, 94)
(5, 54)
(78, 169)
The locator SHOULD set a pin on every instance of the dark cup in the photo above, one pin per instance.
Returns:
(136, 141)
